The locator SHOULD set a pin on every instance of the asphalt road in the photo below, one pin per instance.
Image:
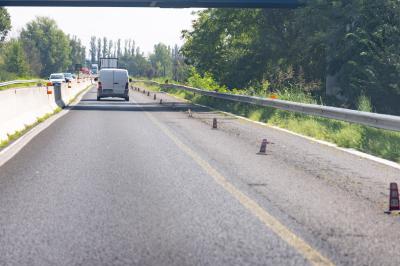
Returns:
(139, 183)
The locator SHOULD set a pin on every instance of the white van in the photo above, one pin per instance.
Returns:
(113, 82)
(57, 78)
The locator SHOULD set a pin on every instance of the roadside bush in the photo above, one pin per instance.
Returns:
(205, 82)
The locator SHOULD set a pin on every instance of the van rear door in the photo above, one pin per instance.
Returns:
(107, 80)
(120, 80)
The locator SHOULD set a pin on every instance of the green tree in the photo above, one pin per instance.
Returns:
(225, 43)
(126, 42)
(110, 48)
(5, 23)
(143, 66)
(78, 53)
(338, 49)
(105, 50)
(132, 48)
(43, 40)
(161, 60)
(99, 49)
(15, 58)
(180, 70)
(119, 51)
(93, 49)
(364, 52)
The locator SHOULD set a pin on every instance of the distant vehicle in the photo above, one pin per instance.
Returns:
(94, 69)
(108, 62)
(68, 77)
(57, 78)
(113, 82)
(85, 70)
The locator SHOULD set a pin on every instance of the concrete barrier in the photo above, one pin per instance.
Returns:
(23, 106)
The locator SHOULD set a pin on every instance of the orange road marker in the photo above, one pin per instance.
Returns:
(214, 125)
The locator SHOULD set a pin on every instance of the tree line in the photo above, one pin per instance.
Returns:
(343, 53)
(40, 49)
(163, 61)
(340, 51)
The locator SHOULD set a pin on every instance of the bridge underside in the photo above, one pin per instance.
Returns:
(158, 3)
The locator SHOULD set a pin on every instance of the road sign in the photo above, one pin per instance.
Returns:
(159, 3)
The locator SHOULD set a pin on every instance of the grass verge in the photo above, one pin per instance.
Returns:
(378, 142)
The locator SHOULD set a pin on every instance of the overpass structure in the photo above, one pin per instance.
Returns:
(160, 3)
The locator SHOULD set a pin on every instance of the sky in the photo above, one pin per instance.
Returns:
(147, 26)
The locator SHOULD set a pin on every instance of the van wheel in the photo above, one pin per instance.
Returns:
(127, 98)
(98, 98)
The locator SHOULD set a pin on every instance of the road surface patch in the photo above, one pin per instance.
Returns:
(312, 255)
(322, 142)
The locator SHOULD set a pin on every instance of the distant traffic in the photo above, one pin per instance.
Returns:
(111, 80)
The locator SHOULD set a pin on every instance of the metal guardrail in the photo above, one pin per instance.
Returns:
(12, 82)
(383, 121)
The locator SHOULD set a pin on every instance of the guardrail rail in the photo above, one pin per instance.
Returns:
(376, 120)
(12, 82)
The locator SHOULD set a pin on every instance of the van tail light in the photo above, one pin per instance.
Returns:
(99, 87)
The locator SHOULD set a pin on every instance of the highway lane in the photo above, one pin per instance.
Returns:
(138, 183)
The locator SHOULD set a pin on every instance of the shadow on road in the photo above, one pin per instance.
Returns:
(88, 105)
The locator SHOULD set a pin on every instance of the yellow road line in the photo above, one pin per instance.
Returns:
(312, 255)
